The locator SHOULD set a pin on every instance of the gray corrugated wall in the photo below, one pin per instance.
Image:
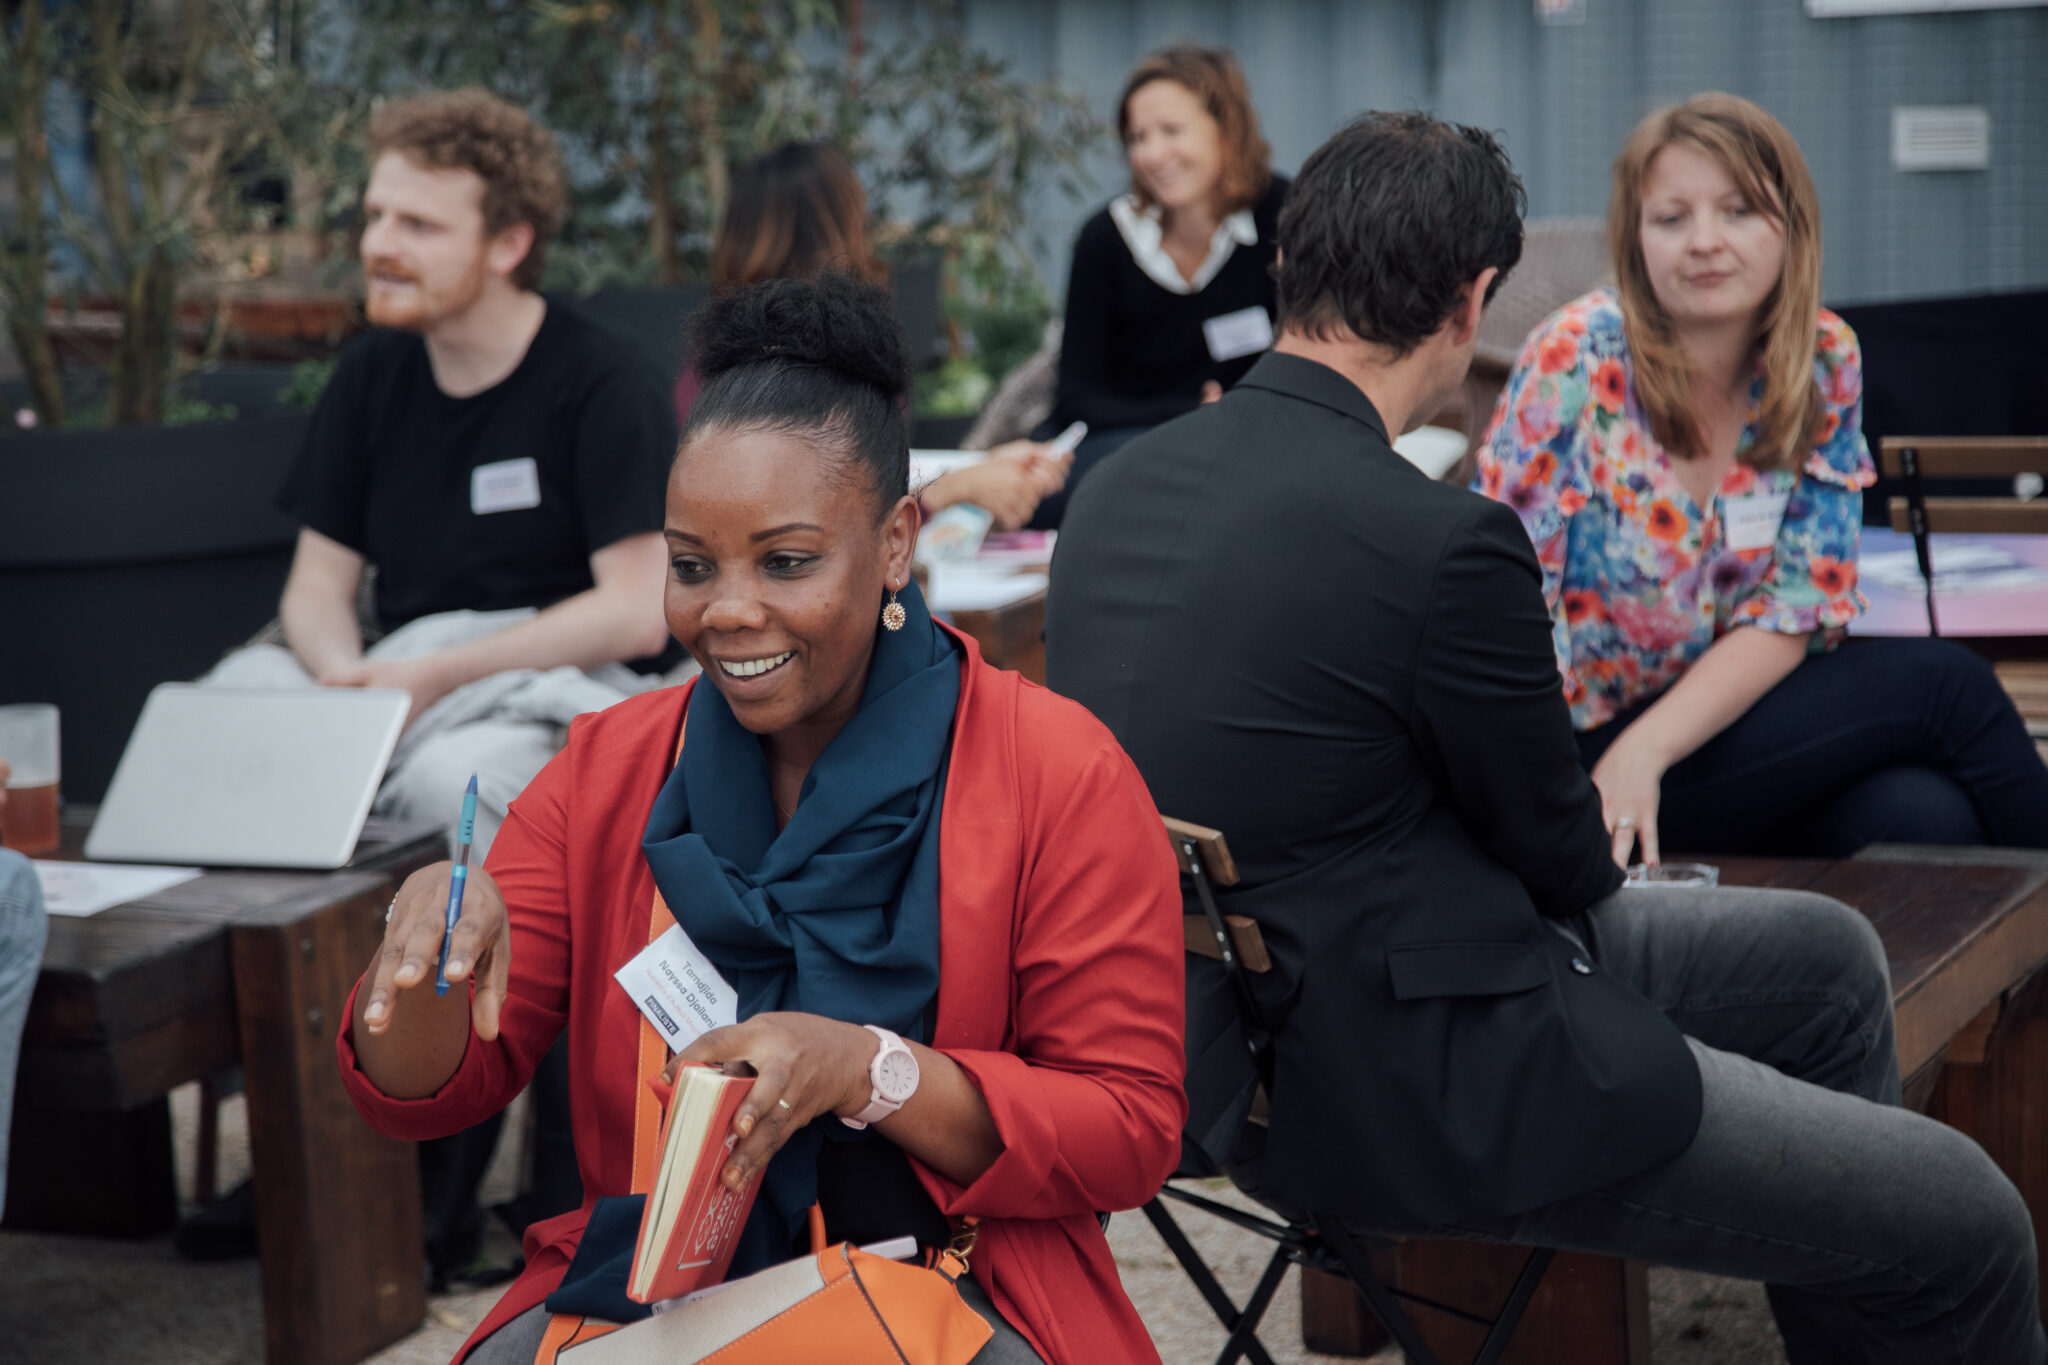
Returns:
(1564, 97)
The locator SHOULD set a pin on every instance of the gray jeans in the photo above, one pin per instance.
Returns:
(517, 1342)
(1883, 1236)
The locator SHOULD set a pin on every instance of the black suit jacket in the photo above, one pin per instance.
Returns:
(1347, 668)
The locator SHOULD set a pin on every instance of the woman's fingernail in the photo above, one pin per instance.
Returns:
(735, 1177)
(745, 1124)
(456, 966)
(375, 1011)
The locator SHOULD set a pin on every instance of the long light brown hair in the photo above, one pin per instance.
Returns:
(1765, 164)
(793, 213)
(1212, 76)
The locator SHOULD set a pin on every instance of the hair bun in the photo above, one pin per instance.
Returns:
(834, 321)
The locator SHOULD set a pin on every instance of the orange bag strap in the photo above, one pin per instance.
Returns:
(564, 1329)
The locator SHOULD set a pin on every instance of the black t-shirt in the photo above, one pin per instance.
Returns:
(496, 500)
(1133, 353)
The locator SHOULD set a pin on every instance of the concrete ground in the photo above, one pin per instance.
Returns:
(83, 1300)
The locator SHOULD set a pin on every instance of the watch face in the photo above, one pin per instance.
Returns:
(896, 1074)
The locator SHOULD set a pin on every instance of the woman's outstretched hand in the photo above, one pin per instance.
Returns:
(805, 1065)
(1630, 782)
(480, 948)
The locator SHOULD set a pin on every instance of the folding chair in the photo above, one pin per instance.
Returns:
(1234, 1127)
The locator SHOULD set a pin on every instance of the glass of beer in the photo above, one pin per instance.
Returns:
(28, 744)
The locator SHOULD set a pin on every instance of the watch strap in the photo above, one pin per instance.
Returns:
(879, 1107)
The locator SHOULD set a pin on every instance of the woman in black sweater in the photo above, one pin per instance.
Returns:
(1171, 295)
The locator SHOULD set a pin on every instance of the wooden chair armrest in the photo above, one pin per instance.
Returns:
(1945, 457)
(1215, 853)
(1244, 936)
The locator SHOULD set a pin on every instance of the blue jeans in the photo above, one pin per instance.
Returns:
(1901, 741)
(23, 928)
(1882, 1235)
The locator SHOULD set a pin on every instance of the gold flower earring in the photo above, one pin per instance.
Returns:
(892, 613)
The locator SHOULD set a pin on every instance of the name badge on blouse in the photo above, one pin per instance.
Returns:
(678, 989)
(1751, 521)
(1245, 332)
(507, 486)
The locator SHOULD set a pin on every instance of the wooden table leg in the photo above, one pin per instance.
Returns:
(104, 1173)
(1590, 1310)
(1995, 1088)
(337, 1205)
(1010, 637)
(1334, 1318)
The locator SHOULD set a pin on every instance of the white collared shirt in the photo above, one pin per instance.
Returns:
(1145, 235)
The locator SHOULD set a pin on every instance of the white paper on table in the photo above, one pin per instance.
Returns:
(968, 586)
(1958, 569)
(80, 889)
(926, 465)
(1433, 450)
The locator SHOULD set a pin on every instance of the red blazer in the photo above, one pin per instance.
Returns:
(1060, 991)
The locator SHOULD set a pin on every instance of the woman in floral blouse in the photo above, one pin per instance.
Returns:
(1686, 451)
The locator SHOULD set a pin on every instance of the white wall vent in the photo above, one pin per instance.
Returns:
(1941, 137)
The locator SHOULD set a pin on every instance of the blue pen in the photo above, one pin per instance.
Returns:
(457, 880)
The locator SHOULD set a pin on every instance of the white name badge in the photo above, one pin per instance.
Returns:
(1751, 521)
(1244, 332)
(507, 486)
(678, 989)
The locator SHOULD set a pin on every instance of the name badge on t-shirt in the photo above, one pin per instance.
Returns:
(507, 486)
(678, 989)
(1245, 332)
(1751, 521)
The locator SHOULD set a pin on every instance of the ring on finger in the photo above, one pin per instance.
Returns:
(785, 1104)
(1624, 823)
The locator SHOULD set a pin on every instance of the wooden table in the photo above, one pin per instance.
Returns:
(248, 966)
(1011, 636)
(1966, 930)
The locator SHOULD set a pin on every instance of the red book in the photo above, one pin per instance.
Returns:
(692, 1221)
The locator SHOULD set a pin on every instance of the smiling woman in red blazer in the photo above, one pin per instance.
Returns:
(893, 852)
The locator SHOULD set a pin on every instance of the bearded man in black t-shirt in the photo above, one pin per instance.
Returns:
(498, 458)
(502, 462)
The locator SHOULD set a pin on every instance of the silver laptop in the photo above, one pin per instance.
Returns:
(227, 777)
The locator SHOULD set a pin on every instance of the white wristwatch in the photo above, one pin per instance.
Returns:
(893, 1074)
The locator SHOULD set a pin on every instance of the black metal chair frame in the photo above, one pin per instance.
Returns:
(1319, 1242)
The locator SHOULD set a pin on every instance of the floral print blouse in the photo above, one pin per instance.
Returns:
(1639, 579)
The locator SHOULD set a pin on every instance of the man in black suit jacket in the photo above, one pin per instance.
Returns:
(1347, 668)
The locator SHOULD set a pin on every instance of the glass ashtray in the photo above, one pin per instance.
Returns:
(1673, 874)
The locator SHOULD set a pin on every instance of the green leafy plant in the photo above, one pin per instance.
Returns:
(657, 101)
(185, 99)
(956, 389)
(27, 63)
(308, 382)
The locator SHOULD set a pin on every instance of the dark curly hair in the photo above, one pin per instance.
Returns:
(473, 130)
(822, 357)
(1388, 222)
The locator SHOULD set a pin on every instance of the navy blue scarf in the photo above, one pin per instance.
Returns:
(836, 915)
